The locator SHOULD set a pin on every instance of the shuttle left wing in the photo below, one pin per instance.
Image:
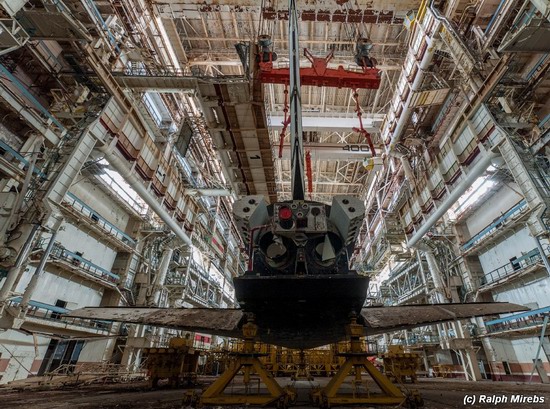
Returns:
(216, 321)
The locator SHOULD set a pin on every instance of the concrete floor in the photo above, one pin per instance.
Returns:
(437, 394)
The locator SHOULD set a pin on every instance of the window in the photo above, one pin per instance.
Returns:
(76, 260)
(58, 303)
(60, 353)
(506, 368)
(455, 358)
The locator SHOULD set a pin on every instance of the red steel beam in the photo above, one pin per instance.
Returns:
(309, 173)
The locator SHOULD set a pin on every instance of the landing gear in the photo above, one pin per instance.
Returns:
(356, 362)
(248, 362)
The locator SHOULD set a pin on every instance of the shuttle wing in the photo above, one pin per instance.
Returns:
(379, 320)
(228, 322)
(216, 321)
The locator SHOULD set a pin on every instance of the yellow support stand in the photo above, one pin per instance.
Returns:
(400, 365)
(177, 363)
(356, 361)
(249, 363)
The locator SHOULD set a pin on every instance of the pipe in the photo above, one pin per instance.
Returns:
(14, 272)
(435, 272)
(407, 108)
(361, 130)
(34, 279)
(474, 79)
(487, 347)
(309, 173)
(495, 15)
(406, 166)
(120, 166)
(463, 14)
(476, 171)
(163, 272)
(408, 171)
(207, 192)
(421, 270)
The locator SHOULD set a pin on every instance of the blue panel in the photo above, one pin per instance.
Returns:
(520, 315)
(20, 158)
(29, 96)
(41, 305)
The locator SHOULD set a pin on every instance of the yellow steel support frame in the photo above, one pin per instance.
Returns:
(357, 360)
(247, 361)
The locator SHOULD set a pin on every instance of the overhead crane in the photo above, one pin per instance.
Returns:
(319, 74)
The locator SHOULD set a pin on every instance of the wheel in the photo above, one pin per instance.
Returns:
(282, 403)
(414, 400)
(154, 382)
(191, 399)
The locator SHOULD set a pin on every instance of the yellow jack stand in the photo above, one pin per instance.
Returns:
(357, 361)
(249, 362)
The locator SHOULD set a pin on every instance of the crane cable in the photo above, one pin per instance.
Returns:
(361, 129)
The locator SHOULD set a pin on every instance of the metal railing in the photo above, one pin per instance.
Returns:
(531, 258)
(4, 146)
(417, 339)
(60, 252)
(477, 238)
(83, 208)
(523, 320)
(178, 73)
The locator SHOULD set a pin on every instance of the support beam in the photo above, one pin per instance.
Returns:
(334, 151)
(367, 13)
(314, 123)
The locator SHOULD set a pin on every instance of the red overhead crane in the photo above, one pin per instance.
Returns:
(320, 75)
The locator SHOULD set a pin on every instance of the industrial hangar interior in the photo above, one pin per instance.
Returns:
(272, 202)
